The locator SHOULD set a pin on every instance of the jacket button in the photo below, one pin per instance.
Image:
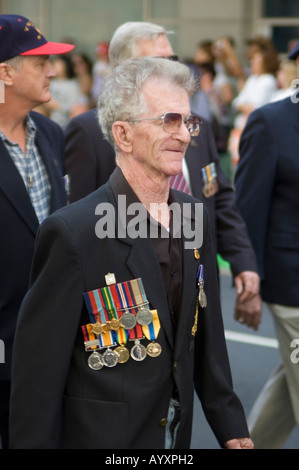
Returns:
(175, 366)
(163, 422)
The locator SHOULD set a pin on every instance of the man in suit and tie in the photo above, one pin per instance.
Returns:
(90, 160)
(127, 325)
(32, 170)
(268, 198)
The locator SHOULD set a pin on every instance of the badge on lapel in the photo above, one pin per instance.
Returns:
(209, 178)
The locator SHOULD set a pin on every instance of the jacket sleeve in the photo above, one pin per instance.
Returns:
(254, 179)
(213, 380)
(45, 335)
(233, 243)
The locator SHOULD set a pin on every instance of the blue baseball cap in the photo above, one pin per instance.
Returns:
(19, 36)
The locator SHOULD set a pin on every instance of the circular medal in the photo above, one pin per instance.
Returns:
(123, 354)
(95, 361)
(144, 316)
(114, 324)
(97, 328)
(128, 321)
(153, 349)
(110, 358)
(138, 351)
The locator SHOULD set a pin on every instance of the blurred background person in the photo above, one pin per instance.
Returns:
(82, 66)
(101, 69)
(257, 91)
(67, 100)
(286, 73)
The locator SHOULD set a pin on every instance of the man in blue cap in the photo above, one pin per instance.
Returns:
(268, 199)
(31, 170)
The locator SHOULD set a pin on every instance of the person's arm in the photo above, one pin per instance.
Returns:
(254, 179)
(48, 324)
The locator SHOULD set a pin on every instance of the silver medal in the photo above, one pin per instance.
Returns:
(202, 298)
(144, 316)
(128, 321)
(110, 358)
(138, 351)
(95, 361)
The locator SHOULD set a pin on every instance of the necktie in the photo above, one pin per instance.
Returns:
(179, 183)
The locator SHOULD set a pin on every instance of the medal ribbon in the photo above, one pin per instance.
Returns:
(208, 173)
(89, 336)
(94, 306)
(151, 331)
(108, 301)
(121, 334)
(200, 275)
(138, 292)
(107, 339)
(130, 300)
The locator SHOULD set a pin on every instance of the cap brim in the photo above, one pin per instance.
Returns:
(50, 48)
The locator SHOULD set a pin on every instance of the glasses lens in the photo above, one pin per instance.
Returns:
(193, 125)
(172, 122)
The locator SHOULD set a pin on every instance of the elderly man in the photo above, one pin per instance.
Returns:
(129, 319)
(31, 170)
(90, 160)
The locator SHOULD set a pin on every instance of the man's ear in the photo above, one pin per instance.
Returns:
(6, 74)
(122, 133)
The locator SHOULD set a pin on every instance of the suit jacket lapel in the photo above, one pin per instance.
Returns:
(13, 186)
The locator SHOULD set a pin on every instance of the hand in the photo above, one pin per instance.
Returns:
(243, 443)
(247, 285)
(249, 312)
(248, 306)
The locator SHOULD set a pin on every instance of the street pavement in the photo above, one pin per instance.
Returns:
(253, 356)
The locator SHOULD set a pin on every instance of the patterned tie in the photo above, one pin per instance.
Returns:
(179, 183)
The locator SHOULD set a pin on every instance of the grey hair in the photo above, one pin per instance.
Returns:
(124, 43)
(121, 97)
(15, 62)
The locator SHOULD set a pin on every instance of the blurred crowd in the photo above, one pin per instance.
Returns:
(234, 89)
(229, 89)
(77, 84)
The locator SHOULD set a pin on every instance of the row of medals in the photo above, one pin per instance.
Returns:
(121, 354)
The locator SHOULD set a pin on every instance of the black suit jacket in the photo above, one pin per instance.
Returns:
(61, 402)
(90, 160)
(20, 224)
(268, 196)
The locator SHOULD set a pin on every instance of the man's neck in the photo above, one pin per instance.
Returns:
(12, 124)
(151, 190)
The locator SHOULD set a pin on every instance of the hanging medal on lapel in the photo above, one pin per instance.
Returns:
(151, 332)
(202, 298)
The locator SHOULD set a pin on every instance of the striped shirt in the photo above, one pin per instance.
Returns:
(32, 170)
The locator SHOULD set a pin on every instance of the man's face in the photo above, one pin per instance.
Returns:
(159, 47)
(32, 80)
(157, 151)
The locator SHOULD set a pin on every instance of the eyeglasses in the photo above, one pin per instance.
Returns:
(175, 58)
(173, 121)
